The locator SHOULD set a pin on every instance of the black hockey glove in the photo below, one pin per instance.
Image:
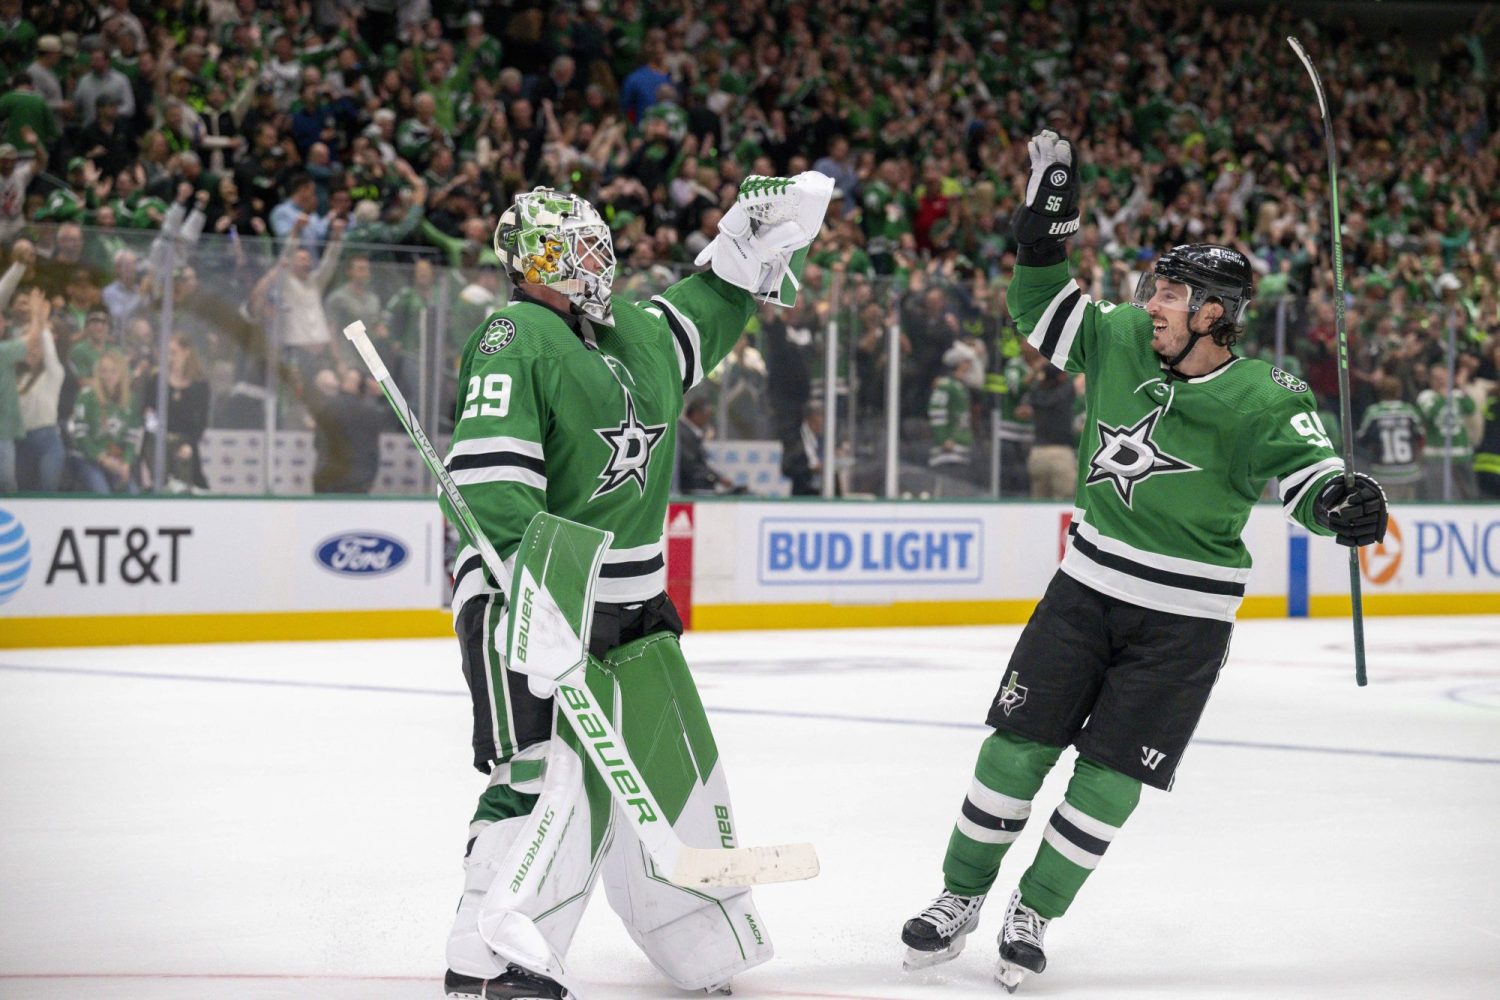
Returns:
(1049, 214)
(1357, 516)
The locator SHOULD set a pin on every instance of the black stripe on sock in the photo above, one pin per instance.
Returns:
(1055, 328)
(1166, 578)
(1085, 841)
(979, 817)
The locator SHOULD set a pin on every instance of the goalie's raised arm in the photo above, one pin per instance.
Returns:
(763, 238)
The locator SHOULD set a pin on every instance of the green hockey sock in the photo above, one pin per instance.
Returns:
(1009, 772)
(1097, 803)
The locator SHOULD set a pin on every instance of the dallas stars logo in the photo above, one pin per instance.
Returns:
(630, 444)
(1127, 456)
(1012, 696)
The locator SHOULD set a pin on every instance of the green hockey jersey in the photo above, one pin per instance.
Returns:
(1444, 417)
(948, 413)
(1169, 468)
(1391, 434)
(581, 420)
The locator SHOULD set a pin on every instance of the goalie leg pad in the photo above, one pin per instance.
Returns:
(698, 938)
(541, 881)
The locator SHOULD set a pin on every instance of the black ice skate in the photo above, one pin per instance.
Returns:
(937, 934)
(1020, 943)
(515, 983)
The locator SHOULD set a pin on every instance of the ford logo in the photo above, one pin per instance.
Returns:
(363, 553)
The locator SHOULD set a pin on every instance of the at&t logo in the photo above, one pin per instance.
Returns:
(15, 556)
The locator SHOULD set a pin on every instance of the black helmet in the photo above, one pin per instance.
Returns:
(1212, 272)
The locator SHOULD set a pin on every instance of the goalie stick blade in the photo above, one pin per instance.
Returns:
(738, 866)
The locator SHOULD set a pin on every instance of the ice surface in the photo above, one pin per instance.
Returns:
(287, 820)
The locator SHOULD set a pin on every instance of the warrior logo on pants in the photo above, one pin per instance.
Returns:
(1012, 696)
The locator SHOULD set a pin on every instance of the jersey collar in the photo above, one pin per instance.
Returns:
(1173, 375)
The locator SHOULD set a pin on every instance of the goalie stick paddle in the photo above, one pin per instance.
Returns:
(680, 864)
(1356, 603)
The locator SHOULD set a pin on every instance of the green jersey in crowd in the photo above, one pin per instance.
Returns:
(581, 420)
(948, 413)
(103, 427)
(1445, 423)
(1169, 467)
(1391, 434)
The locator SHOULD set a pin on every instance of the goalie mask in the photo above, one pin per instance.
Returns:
(555, 239)
(1212, 273)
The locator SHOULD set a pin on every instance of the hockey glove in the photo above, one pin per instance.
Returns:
(1356, 516)
(1049, 214)
(763, 238)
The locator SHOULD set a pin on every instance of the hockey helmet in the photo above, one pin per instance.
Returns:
(1211, 272)
(557, 239)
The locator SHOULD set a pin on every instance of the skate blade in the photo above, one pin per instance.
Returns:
(915, 959)
(1010, 975)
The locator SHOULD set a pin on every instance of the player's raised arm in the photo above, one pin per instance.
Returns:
(1058, 318)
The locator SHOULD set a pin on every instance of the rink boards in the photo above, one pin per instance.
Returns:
(106, 571)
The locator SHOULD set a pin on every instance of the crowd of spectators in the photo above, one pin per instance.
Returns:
(263, 172)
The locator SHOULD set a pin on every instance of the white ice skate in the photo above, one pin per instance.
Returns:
(936, 935)
(1020, 943)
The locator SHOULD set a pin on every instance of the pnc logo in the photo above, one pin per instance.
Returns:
(1378, 563)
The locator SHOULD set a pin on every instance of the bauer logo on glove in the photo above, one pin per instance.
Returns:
(763, 238)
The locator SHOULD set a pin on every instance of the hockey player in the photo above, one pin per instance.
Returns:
(1119, 657)
(568, 403)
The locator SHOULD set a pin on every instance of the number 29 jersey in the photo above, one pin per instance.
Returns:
(580, 420)
(1169, 468)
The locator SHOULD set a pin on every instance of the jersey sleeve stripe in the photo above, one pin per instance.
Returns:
(686, 340)
(499, 474)
(1293, 486)
(1058, 315)
(531, 463)
(479, 446)
(471, 580)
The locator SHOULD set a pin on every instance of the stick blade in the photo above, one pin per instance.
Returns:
(741, 866)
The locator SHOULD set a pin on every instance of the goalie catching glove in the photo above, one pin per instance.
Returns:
(1049, 214)
(763, 238)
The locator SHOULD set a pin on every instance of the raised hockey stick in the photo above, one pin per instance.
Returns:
(680, 864)
(1345, 415)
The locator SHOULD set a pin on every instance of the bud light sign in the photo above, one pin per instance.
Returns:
(884, 550)
(361, 554)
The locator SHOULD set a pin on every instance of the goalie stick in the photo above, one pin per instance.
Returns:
(1356, 603)
(680, 864)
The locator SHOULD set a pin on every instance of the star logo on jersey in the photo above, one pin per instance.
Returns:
(1127, 457)
(630, 451)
